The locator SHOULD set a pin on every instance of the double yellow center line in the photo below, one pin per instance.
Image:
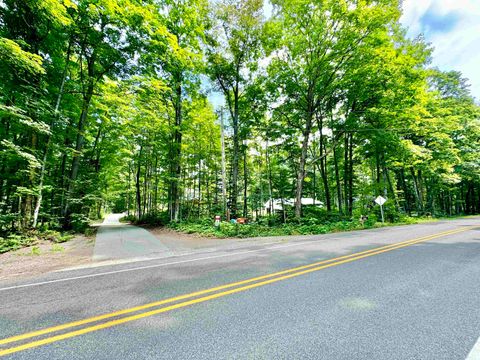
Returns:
(194, 298)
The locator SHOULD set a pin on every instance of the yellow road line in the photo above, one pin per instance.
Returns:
(197, 293)
(308, 269)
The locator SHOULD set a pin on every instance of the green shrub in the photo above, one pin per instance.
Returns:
(90, 231)
(371, 221)
(405, 219)
(65, 238)
(6, 221)
(15, 242)
(228, 229)
(51, 235)
(54, 236)
(305, 226)
(35, 251)
(128, 218)
(79, 222)
(152, 219)
(270, 220)
(311, 221)
(321, 215)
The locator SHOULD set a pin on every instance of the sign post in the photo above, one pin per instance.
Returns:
(380, 201)
(217, 221)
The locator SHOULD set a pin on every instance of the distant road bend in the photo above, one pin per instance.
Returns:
(406, 292)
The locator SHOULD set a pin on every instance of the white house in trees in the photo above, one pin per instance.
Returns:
(277, 204)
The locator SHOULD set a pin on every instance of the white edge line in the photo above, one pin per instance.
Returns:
(151, 266)
(474, 354)
(160, 265)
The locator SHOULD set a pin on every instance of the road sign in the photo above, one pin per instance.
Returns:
(380, 201)
(217, 221)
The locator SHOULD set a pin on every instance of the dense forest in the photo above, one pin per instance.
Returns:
(104, 106)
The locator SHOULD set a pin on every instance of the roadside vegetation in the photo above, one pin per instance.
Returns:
(307, 226)
(314, 221)
(17, 241)
(104, 106)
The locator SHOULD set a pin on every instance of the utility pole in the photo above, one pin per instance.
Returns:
(224, 185)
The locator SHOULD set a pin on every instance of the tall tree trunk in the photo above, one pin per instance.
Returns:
(245, 183)
(270, 180)
(301, 165)
(324, 173)
(79, 145)
(145, 184)
(177, 154)
(63, 178)
(137, 184)
(323, 164)
(345, 172)
(418, 194)
(87, 98)
(130, 170)
(392, 189)
(38, 204)
(199, 186)
(350, 178)
(421, 189)
(406, 192)
(337, 180)
(314, 192)
(378, 172)
(27, 212)
(477, 200)
(236, 150)
(80, 136)
(224, 170)
(3, 169)
(155, 196)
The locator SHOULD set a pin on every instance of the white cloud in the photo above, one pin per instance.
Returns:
(457, 44)
(457, 47)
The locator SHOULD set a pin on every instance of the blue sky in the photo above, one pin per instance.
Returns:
(453, 29)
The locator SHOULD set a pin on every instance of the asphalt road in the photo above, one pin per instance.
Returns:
(363, 298)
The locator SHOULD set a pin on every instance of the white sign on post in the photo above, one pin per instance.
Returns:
(380, 201)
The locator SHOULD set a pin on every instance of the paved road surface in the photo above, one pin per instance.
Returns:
(120, 241)
(415, 300)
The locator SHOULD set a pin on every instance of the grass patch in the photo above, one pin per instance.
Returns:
(18, 241)
(57, 248)
(35, 251)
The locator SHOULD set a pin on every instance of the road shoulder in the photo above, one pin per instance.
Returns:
(46, 257)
